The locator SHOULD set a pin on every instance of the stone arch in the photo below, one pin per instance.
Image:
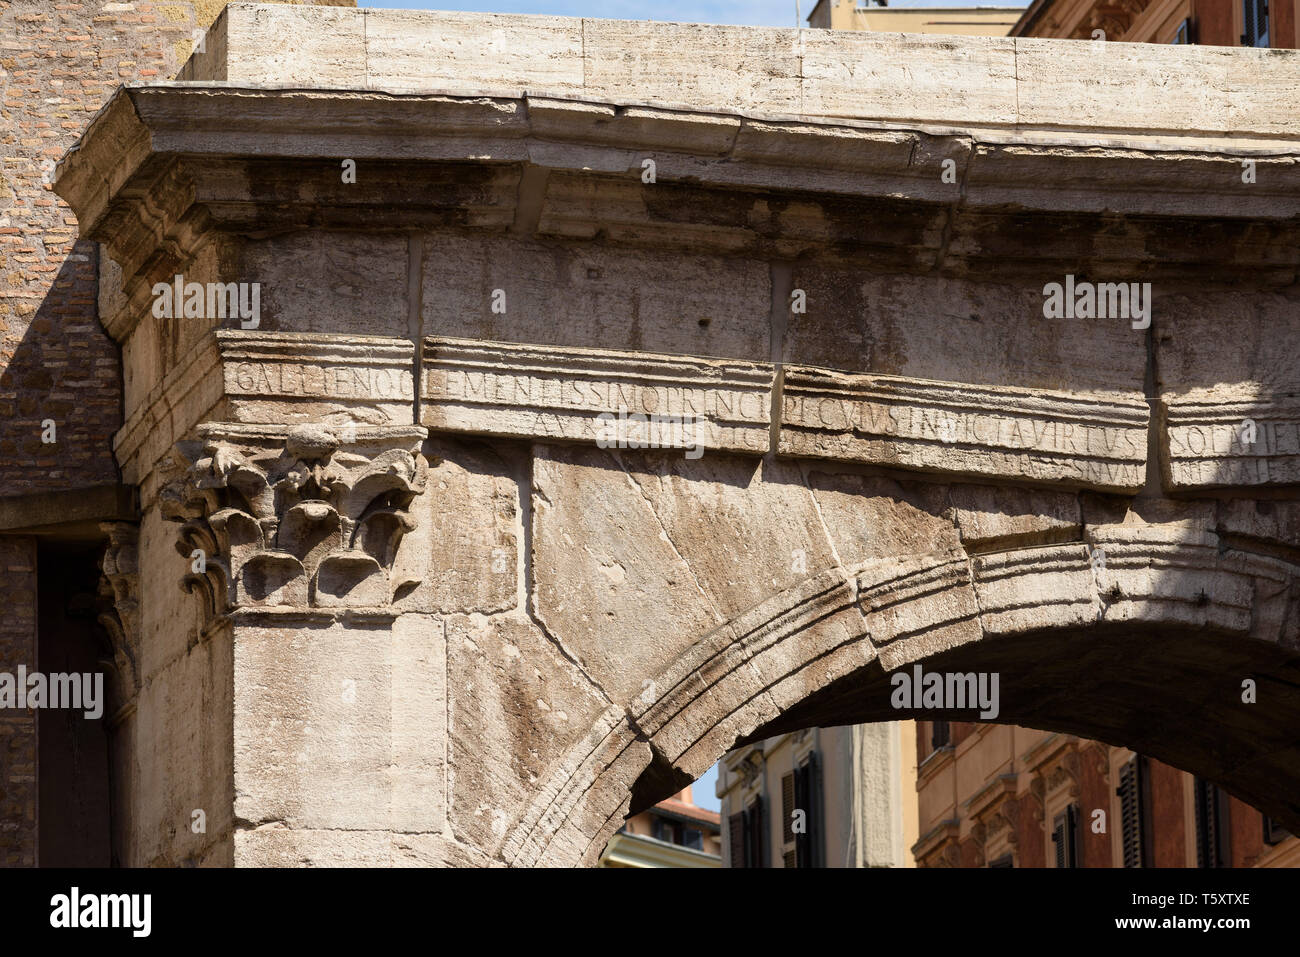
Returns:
(821, 652)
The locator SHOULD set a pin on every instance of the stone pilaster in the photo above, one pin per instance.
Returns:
(119, 614)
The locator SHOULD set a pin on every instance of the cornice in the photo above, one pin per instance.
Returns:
(164, 165)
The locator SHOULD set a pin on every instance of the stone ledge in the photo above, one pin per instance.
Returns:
(1223, 441)
(1027, 434)
(193, 150)
(61, 513)
(574, 394)
(989, 81)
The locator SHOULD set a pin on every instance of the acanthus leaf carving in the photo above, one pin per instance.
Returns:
(119, 612)
(295, 517)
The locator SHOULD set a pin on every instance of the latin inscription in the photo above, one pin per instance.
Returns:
(1209, 445)
(318, 381)
(594, 395)
(963, 426)
(620, 400)
(943, 427)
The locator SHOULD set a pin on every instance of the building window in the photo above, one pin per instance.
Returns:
(745, 833)
(1134, 808)
(1211, 825)
(1004, 861)
(940, 735)
(1255, 19)
(801, 806)
(1065, 837)
(1274, 832)
(1183, 35)
(675, 832)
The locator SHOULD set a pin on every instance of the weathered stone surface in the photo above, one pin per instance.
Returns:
(746, 530)
(616, 400)
(982, 332)
(1097, 442)
(1230, 416)
(332, 41)
(464, 552)
(296, 517)
(871, 517)
(275, 846)
(584, 799)
(272, 378)
(608, 578)
(1262, 521)
(606, 297)
(329, 282)
(989, 81)
(1223, 440)
(918, 606)
(516, 705)
(1026, 589)
(992, 517)
(365, 703)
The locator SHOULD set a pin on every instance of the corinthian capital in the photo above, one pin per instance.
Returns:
(297, 517)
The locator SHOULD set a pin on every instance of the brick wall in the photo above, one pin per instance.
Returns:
(59, 63)
(60, 60)
(17, 728)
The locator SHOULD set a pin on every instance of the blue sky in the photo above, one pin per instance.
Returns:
(764, 13)
(703, 790)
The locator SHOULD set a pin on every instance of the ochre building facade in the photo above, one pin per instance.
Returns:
(994, 795)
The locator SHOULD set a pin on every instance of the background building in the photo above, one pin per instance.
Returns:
(856, 787)
(674, 833)
(1252, 23)
(963, 21)
(1003, 796)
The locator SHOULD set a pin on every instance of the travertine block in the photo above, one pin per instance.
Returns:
(1066, 438)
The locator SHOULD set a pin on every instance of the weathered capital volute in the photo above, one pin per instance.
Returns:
(294, 518)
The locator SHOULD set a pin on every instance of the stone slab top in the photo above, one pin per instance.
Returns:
(971, 82)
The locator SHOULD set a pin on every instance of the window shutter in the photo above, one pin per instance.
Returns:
(790, 860)
(1274, 832)
(754, 837)
(1131, 807)
(814, 839)
(1206, 825)
(1254, 23)
(1072, 833)
(807, 796)
(1212, 831)
(789, 804)
(736, 834)
(1065, 835)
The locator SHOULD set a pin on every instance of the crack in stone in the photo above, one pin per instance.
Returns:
(717, 613)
